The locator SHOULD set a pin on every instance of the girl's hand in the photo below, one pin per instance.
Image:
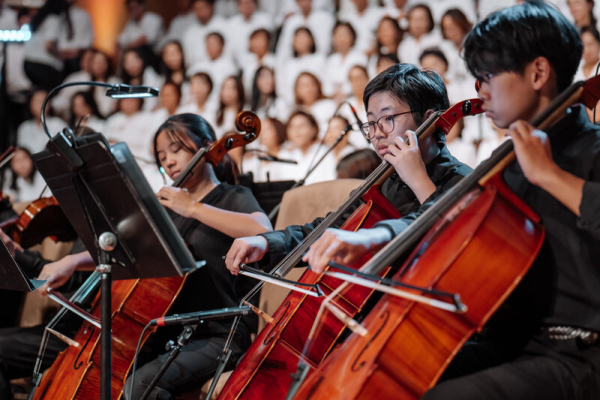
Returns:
(176, 199)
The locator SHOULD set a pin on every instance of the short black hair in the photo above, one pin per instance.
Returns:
(420, 90)
(509, 39)
(436, 52)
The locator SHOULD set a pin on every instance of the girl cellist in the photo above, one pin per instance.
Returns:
(544, 341)
(209, 214)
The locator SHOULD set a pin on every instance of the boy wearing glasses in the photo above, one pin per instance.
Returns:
(398, 100)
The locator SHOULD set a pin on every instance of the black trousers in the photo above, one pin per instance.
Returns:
(19, 348)
(544, 369)
(195, 365)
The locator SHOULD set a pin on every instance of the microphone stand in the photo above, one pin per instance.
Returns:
(183, 339)
(275, 210)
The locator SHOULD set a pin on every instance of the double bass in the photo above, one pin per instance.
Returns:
(478, 241)
(76, 372)
(272, 358)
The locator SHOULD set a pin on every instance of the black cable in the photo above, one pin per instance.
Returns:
(135, 360)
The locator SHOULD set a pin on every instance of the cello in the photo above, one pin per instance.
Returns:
(406, 344)
(76, 372)
(272, 357)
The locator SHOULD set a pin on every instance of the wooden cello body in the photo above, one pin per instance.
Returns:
(268, 364)
(480, 248)
(480, 251)
(134, 303)
(76, 372)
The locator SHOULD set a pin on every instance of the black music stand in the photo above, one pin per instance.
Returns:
(117, 216)
(12, 276)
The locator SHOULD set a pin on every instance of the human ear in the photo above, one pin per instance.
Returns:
(540, 72)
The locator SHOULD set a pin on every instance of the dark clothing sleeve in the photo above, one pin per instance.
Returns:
(589, 220)
(283, 241)
(444, 170)
(31, 262)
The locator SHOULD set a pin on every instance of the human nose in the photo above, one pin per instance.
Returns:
(169, 161)
(483, 92)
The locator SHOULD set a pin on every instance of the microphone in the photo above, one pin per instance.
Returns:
(201, 316)
(268, 157)
(358, 121)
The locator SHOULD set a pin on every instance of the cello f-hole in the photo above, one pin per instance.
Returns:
(75, 364)
(357, 364)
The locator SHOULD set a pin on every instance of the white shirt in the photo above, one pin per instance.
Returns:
(356, 138)
(262, 171)
(488, 7)
(288, 71)
(8, 18)
(16, 81)
(95, 123)
(464, 151)
(335, 74)
(250, 64)
(219, 70)
(287, 7)
(410, 49)
(239, 30)
(365, 25)
(61, 102)
(35, 48)
(278, 109)
(153, 79)
(580, 75)
(194, 38)
(208, 112)
(32, 136)
(228, 124)
(177, 28)
(457, 68)
(27, 191)
(83, 31)
(150, 26)
(487, 147)
(135, 130)
(106, 105)
(323, 111)
(318, 22)
(296, 172)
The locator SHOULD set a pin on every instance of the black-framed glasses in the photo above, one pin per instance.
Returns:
(385, 125)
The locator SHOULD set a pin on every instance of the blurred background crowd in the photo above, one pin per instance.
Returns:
(301, 65)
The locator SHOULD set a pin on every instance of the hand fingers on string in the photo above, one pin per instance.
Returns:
(317, 257)
(313, 249)
(334, 252)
